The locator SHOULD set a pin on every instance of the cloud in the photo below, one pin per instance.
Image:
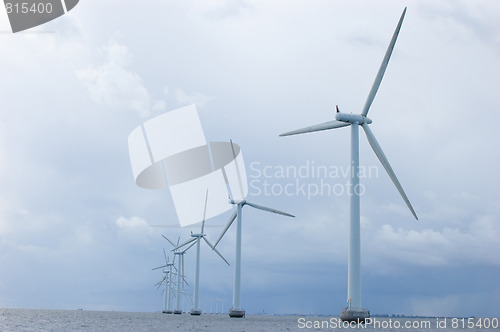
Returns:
(450, 246)
(134, 223)
(183, 98)
(113, 85)
(134, 229)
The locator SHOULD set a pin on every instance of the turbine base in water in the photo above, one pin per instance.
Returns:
(236, 313)
(357, 315)
(195, 312)
(177, 312)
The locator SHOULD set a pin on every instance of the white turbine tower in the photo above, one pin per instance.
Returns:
(197, 237)
(354, 309)
(236, 310)
(180, 273)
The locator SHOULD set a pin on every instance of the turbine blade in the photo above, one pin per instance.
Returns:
(264, 208)
(159, 267)
(170, 241)
(159, 283)
(383, 159)
(192, 244)
(217, 251)
(165, 255)
(187, 242)
(231, 219)
(323, 126)
(204, 212)
(383, 66)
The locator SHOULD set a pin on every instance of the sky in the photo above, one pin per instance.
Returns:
(76, 232)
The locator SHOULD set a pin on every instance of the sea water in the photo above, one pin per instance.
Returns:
(29, 320)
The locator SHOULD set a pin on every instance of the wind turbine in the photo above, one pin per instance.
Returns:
(180, 272)
(236, 310)
(196, 237)
(167, 270)
(354, 310)
(165, 291)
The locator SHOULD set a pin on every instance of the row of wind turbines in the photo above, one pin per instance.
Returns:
(180, 250)
(354, 311)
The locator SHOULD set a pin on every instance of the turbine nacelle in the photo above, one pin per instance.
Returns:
(352, 118)
(198, 235)
(237, 202)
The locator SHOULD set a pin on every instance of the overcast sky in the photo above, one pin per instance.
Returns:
(76, 232)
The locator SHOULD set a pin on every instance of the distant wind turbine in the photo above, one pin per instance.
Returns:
(167, 270)
(180, 273)
(354, 310)
(236, 310)
(196, 237)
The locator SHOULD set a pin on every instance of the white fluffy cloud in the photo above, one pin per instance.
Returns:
(113, 85)
(134, 223)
